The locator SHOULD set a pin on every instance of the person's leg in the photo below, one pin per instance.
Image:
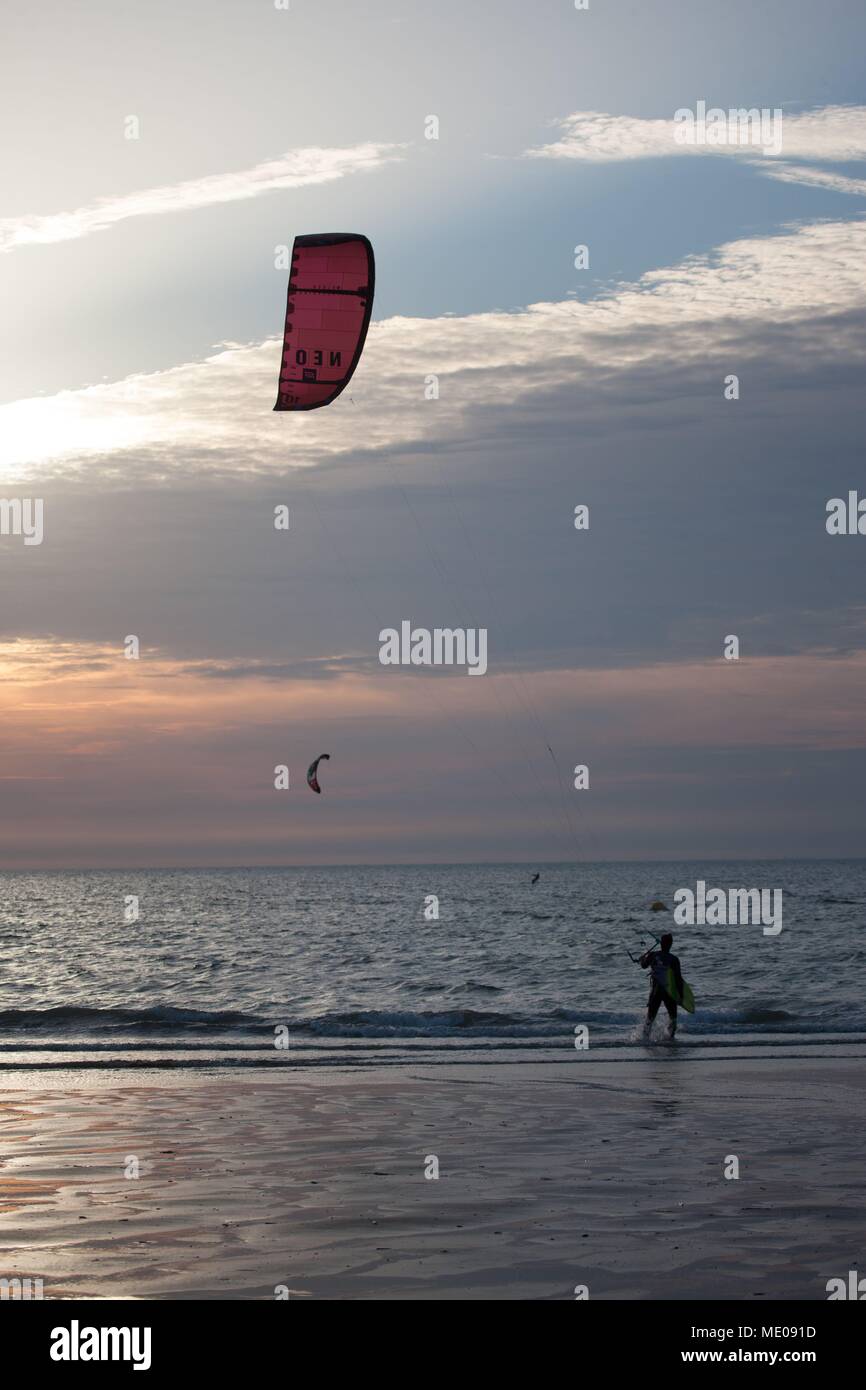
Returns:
(672, 1016)
(653, 1005)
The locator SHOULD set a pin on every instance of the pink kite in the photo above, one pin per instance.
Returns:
(327, 316)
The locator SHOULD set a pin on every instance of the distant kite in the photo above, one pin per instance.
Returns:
(312, 780)
(327, 316)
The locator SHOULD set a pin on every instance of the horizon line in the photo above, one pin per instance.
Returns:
(428, 864)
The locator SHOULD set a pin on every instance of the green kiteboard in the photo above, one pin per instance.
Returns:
(687, 1001)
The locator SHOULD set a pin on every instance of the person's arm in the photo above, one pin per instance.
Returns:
(645, 960)
(678, 976)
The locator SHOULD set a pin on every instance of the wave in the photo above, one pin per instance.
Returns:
(474, 987)
(759, 1015)
(163, 1016)
(183, 1025)
(405, 1024)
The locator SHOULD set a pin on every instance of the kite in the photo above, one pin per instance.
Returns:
(327, 316)
(312, 780)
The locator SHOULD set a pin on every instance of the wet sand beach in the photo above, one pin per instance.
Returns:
(607, 1175)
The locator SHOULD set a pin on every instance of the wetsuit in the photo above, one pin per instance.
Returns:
(659, 963)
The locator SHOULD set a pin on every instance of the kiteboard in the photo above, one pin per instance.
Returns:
(687, 1001)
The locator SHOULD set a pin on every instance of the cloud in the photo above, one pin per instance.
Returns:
(831, 134)
(797, 299)
(597, 138)
(815, 178)
(295, 169)
(153, 761)
(763, 701)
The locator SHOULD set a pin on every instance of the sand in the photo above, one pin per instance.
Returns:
(604, 1174)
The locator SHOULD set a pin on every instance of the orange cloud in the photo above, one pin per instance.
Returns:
(110, 761)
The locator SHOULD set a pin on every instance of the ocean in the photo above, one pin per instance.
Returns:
(343, 966)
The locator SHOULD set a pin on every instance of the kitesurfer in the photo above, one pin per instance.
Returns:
(659, 962)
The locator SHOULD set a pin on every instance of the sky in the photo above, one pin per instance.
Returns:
(163, 156)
